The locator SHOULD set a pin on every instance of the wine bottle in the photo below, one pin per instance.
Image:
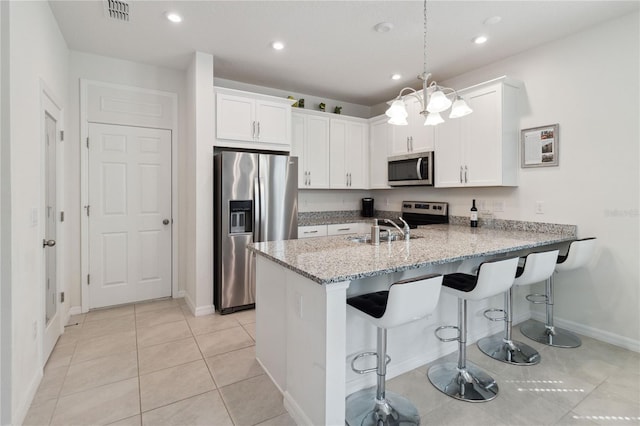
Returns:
(474, 215)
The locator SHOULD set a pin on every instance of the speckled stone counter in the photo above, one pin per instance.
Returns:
(337, 259)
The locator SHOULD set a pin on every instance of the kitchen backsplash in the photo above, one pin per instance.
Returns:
(349, 216)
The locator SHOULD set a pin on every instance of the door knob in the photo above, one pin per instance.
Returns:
(165, 222)
(48, 243)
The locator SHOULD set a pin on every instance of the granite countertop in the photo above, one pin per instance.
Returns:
(329, 260)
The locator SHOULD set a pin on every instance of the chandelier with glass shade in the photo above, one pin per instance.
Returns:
(434, 99)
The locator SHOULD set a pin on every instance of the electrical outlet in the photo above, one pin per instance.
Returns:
(498, 206)
(482, 205)
(539, 207)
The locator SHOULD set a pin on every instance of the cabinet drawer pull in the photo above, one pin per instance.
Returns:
(465, 174)
(460, 174)
(344, 229)
(310, 232)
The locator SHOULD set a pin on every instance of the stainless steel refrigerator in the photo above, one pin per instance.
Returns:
(255, 199)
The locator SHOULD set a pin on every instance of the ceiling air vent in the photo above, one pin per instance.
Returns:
(117, 9)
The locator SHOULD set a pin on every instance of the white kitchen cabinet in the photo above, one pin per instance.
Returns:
(414, 137)
(480, 149)
(343, 229)
(379, 140)
(310, 143)
(348, 154)
(251, 120)
(312, 231)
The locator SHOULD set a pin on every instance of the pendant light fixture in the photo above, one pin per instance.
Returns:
(433, 100)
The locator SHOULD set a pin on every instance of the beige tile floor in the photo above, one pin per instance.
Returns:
(155, 364)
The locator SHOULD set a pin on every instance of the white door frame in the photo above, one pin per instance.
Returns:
(170, 123)
(49, 104)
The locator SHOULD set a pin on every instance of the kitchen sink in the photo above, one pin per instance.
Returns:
(367, 238)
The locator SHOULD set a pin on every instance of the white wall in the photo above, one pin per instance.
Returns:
(5, 222)
(38, 53)
(199, 190)
(110, 70)
(597, 184)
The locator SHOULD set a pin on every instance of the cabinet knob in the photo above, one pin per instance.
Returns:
(48, 243)
(165, 222)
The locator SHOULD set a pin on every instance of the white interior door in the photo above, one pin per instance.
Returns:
(52, 323)
(129, 214)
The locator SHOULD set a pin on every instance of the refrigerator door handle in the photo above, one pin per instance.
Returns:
(260, 210)
(256, 210)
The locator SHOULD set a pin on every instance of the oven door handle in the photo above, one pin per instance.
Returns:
(419, 168)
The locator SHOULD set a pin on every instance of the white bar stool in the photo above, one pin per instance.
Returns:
(578, 255)
(405, 301)
(466, 381)
(537, 267)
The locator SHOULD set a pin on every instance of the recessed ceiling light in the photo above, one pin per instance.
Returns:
(277, 45)
(493, 20)
(396, 77)
(383, 27)
(480, 39)
(173, 17)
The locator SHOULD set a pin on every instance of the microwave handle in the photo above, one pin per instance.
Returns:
(419, 168)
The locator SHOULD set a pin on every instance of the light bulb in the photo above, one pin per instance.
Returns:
(438, 102)
(397, 110)
(433, 119)
(460, 108)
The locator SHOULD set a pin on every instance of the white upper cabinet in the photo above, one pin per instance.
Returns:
(379, 141)
(414, 137)
(480, 149)
(348, 154)
(310, 143)
(251, 120)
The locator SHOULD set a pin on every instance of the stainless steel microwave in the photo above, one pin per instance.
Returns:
(411, 169)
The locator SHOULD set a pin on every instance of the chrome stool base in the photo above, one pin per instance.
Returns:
(516, 353)
(395, 410)
(556, 337)
(471, 384)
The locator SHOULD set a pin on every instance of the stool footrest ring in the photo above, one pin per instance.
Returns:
(488, 312)
(540, 299)
(366, 370)
(447, 327)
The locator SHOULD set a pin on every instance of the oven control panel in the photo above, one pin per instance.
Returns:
(434, 208)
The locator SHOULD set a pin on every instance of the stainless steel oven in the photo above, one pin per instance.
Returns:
(411, 169)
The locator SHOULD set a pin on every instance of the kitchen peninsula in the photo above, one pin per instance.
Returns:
(305, 337)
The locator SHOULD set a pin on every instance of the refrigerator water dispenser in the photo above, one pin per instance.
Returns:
(240, 221)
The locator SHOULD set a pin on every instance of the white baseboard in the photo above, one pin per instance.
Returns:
(199, 310)
(204, 310)
(605, 336)
(296, 413)
(21, 413)
(75, 310)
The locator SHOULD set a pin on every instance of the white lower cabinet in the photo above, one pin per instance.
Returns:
(343, 229)
(312, 231)
(481, 149)
(333, 229)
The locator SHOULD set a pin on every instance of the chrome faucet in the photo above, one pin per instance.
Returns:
(404, 231)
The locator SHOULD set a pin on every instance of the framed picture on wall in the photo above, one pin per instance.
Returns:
(539, 146)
